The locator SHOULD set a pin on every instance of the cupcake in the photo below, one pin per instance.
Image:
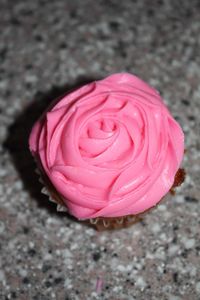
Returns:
(108, 151)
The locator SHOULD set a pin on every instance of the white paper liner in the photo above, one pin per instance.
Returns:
(118, 221)
(45, 191)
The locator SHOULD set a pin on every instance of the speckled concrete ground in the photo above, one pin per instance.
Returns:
(47, 47)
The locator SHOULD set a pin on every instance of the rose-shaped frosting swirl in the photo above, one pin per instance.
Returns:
(110, 148)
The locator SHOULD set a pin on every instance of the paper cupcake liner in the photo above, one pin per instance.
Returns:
(115, 223)
(102, 223)
(46, 191)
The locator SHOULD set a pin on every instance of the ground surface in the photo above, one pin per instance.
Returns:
(47, 47)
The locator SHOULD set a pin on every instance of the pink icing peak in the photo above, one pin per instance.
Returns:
(110, 148)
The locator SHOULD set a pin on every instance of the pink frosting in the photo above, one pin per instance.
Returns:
(110, 148)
